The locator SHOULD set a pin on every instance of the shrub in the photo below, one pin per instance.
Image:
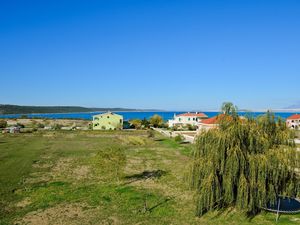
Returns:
(191, 127)
(150, 133)
(40, 125)
(3, 123)
(137, 123)
(179, 138)
(57, 126)
(156, 120)
(20, 125)
(145, 123)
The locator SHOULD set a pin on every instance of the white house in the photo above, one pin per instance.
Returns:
(293, 121)
(187, 118)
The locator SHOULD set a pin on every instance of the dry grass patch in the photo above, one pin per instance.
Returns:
(63, 214)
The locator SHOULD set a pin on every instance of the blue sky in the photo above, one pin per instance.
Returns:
(174, 55)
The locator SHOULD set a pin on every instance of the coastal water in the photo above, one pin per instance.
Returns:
(166, 115)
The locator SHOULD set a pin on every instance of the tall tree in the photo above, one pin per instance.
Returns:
(228, 108)
(245, 163)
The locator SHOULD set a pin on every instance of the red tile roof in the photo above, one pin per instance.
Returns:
(213, 120)
(216, 119)
(202, 115)
(294, 117)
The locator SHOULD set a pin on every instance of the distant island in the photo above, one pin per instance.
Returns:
(18, 109)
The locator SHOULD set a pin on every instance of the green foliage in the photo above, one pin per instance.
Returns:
(179, 138)
(145, 123)
(156, 120)
(40, 125)
(57, 126)
(245, 163)
(191, 127)
(3, 123)
(150, 133)
(20, 125)
(137, 123)
(175, 128)
(229, 108)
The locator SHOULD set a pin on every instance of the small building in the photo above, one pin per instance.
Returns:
(187, 118)
(107, 121)
(293, 122)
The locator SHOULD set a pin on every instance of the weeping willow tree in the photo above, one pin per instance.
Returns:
(244, 163)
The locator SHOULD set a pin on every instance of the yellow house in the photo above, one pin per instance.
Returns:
(107, 121)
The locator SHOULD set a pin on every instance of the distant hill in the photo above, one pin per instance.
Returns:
(17, 109)
(295, 106)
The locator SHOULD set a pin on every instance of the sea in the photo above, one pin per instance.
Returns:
(166, 115)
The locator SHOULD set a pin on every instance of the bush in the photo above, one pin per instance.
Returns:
(40, 125)
(20, 125)
(3, 123)
(57, 126)
(175, 128)
(145, 123)
(179, 138)
(137, 123)
(150, 133)
(156, 120)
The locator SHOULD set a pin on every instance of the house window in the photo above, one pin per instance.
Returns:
(120, 120)
(107, 117)
(189, 119)
(179, 119)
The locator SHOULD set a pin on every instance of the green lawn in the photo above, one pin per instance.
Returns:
(117, 177)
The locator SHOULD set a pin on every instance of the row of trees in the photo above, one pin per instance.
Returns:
(244, 163)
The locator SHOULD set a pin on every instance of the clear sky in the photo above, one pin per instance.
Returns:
(173, 55)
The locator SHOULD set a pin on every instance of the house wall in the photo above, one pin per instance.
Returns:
(294, 124)
(184, 120)
(107, 122)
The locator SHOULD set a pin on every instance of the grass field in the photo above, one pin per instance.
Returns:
(117, 177)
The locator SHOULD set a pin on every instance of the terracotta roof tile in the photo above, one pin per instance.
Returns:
(294, 117)
(202, 115)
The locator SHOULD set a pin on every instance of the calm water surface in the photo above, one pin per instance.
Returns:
(131, 115)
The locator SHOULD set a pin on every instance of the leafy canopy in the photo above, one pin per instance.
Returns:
(244, 163)
(156, 120)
